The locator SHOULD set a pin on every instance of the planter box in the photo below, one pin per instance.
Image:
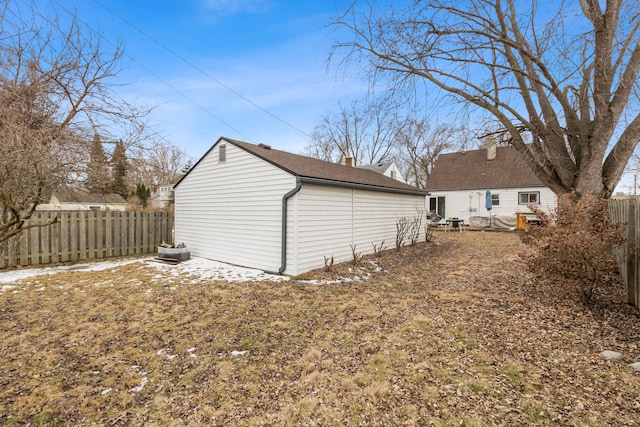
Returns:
(180, 254)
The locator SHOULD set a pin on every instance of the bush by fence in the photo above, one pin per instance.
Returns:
(86, 235)
(627, 211)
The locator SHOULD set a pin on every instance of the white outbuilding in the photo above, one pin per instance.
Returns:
(254, 206)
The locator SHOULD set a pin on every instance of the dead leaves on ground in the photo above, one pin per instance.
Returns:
(446, 334)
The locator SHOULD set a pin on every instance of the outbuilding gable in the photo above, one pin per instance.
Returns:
(318, 171)
(258, 207)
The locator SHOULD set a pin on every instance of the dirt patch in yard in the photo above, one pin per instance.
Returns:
(454, 332)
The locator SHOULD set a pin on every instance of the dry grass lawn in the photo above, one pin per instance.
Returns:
(455, 333)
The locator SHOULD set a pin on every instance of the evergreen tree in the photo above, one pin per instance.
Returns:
(119, 162)
(143, 194)
(98, 176)
(186, 168)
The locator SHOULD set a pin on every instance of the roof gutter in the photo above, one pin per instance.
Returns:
(320, 181)
(283, 243)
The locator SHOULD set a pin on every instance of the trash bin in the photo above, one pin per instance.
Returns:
(521, 221)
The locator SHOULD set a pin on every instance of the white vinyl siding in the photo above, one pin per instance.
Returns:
(232, 211)
(330, 219)
(376, 215)
(324, 227)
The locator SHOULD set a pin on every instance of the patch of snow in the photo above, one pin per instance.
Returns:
(197, 268)
(168, 356)
(106, 390)
(239, 353)
(205, 269)
(16, 275)
(340, 281)
(138, 389)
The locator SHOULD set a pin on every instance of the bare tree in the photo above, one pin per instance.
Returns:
(54, 94)
(160, 164)
(363, 131)
(419, 146)
(558, 82)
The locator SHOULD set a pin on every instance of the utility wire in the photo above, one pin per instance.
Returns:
(200, 70)
(181, 93)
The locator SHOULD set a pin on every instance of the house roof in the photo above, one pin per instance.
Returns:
(319, 171)
(68, 195)
(471, 170)
(380, 167)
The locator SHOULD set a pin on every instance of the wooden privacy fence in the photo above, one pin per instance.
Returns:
(627, 211)
(86, 235)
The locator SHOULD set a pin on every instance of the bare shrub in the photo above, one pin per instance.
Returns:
(429, 230)
(415, 227)
(409, 229)
(328, 263)
(377, 249)
(402, 229)
(575, 245)
(357, 256)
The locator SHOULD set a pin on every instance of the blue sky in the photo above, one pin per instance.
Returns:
(233, 59)
(254, 70)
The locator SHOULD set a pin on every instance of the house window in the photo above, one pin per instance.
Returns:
(529, 198)
(495, 199)
(222, 153)
(393, 174)
(437, 205)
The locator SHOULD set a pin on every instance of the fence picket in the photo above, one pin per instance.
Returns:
(626, 211)
(65, 239)
(84, 235)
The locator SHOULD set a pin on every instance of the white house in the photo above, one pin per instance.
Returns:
(459, 182)
(389, 169)
(68, 199)
(161, 196)
(257, 207)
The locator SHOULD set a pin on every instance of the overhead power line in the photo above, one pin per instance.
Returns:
(148, 70)
(200, 70)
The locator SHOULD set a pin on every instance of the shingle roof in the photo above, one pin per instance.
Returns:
(307, 167)
(472, 170)
(68, 195)
(377, 167)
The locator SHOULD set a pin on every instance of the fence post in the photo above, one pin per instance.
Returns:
(631, 256)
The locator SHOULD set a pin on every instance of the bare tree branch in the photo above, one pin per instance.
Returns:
(560, 86)
(56, 85)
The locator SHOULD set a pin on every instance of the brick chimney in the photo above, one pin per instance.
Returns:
(491, 150)
(348, 162)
